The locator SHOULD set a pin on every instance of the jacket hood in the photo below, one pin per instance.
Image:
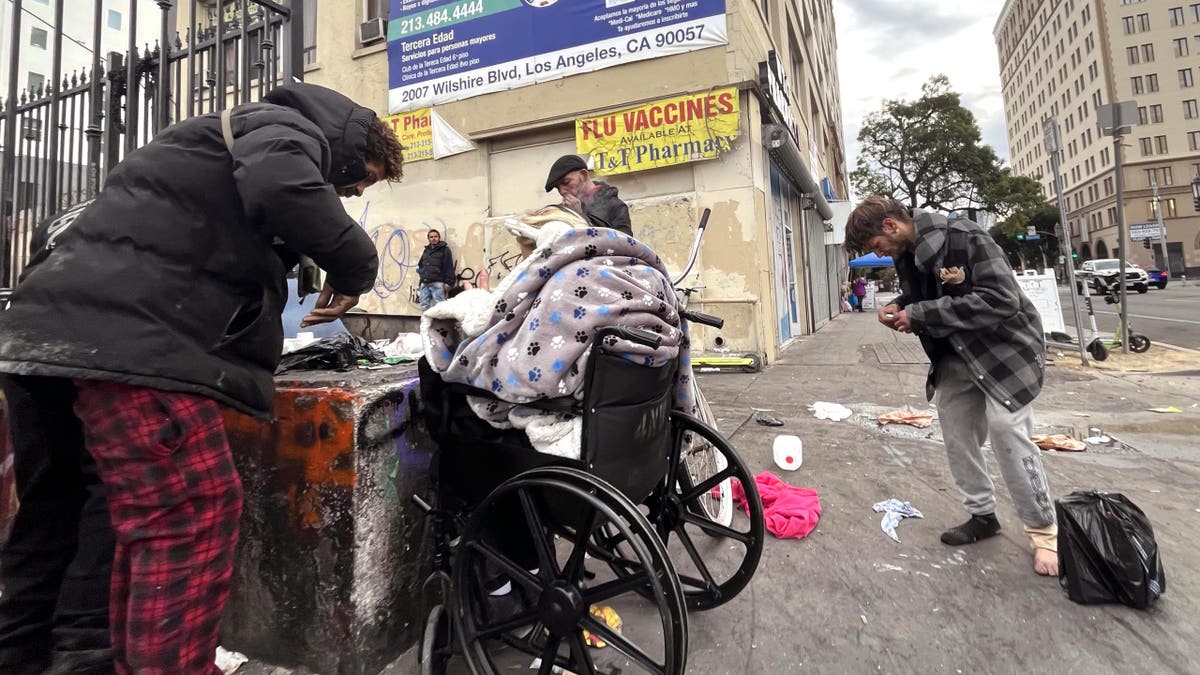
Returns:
(344, 123)
(931, 238)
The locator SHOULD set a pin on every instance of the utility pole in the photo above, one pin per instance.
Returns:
(1054, 148)
(1162, 229)
(1115, 120)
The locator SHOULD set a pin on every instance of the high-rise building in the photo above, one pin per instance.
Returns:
(1062, 59)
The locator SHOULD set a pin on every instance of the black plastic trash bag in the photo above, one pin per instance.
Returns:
(1106, 551)
(340, 352)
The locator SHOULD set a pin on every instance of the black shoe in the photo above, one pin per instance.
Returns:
(978, 527)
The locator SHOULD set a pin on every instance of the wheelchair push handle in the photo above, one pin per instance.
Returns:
(701, 318)
(635, 335)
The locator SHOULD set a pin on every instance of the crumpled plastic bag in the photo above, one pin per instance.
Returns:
(824, 410)
(894, 511)
(340, 352)
(1106, 551)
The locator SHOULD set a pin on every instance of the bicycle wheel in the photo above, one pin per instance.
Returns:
(702, 461)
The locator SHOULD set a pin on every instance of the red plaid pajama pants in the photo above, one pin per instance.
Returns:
(175, 500)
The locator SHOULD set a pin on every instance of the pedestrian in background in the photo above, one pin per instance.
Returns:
(435, 271)
(141, 314)
(860, 291)
(987, 354)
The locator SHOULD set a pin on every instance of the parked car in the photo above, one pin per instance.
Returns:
(1158, 278)
(1102, 274)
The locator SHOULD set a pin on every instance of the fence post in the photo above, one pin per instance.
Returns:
(8, 207)
(53, 199)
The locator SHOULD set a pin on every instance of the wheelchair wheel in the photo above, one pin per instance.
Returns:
(714, 561)
(435, 642)
(548, 609)
(700, 460)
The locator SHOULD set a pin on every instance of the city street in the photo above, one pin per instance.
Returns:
(1170, 315)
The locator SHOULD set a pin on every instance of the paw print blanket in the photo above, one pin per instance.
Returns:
(531, 337)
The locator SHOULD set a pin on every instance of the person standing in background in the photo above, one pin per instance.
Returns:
(435, 270)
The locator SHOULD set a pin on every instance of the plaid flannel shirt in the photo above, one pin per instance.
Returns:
(984, 317)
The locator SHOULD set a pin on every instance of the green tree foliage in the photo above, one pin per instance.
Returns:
(928, 153)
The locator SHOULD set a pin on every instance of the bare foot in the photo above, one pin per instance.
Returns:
(1045, 562)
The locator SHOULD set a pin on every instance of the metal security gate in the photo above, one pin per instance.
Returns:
(818, 276)
(61, 137)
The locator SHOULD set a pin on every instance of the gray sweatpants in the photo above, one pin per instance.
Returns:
(969, 417)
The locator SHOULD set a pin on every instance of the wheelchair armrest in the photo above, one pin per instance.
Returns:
(636, 335)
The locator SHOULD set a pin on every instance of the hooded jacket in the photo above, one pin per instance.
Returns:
(169, 279)
(607, 210)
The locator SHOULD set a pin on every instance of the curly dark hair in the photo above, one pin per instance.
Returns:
(383, 147)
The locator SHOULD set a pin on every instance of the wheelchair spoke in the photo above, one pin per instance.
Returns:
(611, 589)
(716, 529)
(582, 657)
(527, 618)
(695, 556)
(574, 567)
(685, 580)
(709, 484)
(630, 650)
(510, 568)
(545, 554)
(549, 655)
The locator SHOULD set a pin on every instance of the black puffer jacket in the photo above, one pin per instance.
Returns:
(607, 210)
(169, 279)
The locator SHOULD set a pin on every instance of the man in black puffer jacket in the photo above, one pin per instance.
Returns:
(142, 312)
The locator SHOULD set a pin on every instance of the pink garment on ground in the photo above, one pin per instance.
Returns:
(788, 511)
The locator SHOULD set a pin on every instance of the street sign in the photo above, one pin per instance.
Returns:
(1139, 231)
(1031, 233)
(1116, 117)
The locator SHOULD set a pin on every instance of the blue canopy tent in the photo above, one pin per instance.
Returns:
(871, 260)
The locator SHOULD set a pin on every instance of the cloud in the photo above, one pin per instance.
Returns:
(906, 43)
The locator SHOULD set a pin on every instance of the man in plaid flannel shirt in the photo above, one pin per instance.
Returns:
(987, 354)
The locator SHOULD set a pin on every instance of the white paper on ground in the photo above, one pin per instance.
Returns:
(825, 410)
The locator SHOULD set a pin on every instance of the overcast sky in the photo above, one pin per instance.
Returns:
(888, 48)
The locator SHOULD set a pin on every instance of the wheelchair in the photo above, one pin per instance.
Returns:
(534, 553)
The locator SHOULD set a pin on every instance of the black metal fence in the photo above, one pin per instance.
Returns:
(61, 138)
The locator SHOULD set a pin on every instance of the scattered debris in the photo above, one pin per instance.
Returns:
(1167, 409)
(894, 511)
(229, 661)
(863, 618)
(920, 419)
(1098, 440)
(824, 410)
(609, 616)
(789, 452)
(1063, 442)
(768, 420)
(1080, 414)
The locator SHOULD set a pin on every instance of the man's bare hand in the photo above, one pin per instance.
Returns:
(887, 315)
(571, 201)
(900, 322)
(331, 305)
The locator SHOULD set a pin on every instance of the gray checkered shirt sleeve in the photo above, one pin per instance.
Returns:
(994, 297)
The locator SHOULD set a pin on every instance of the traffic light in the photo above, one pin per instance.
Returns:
(1074, 255)
(1020, 236)
(1145, 243)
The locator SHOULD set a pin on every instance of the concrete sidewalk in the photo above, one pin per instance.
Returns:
(849, 600)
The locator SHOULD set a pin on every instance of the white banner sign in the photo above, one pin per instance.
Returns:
(1042, 290)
